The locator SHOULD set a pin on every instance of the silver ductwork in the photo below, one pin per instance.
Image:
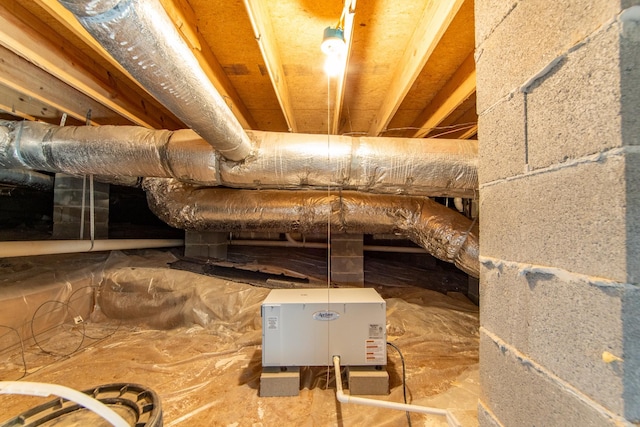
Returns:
(443, 232)
(142, 38)
(431, 167)
(26, 178)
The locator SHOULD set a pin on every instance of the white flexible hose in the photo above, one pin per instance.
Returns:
(44, 390)
(345, 398)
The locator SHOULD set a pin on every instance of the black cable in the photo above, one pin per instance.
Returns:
(24, 360)
(69, 308)
(404, 379)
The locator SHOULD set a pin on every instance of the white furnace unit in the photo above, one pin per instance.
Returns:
(307, 327)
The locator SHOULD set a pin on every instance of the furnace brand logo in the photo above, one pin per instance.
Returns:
(326, 315)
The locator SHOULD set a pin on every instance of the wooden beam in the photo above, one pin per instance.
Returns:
(348, 12)
(265, 36)
(23, 106)
(458, 89)
(185, 21)
(432, 25)
(24, 77)
(25, 35)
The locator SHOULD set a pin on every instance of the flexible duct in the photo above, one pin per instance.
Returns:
(444, 233)
(26, 178)
(142, 38)
(281, 160)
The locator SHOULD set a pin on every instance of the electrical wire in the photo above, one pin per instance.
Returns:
(328, 226)
(24, 359)
(404, 379)
(451, 128)
(68, 307)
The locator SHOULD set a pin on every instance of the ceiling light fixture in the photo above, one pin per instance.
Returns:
(333, 42)
(335, 48)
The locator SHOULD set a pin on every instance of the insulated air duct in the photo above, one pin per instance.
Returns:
(431, 167)
(26, 178)
(443, 232)
(142, 38)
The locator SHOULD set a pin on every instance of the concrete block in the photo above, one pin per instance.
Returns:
(205, 237)
(349, 279)
(630, 81)
(632, 178)
(571, 218)
(347, 264)
(569, 325)
(368, 380)
(519, 393)
(206, 244)
(501, 130)
(485, 418)
(492, 12)
(275, 382)
(347, 245)
(575, 110)
(543, 33)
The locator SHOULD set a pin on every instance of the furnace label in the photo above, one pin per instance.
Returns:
(272, 322)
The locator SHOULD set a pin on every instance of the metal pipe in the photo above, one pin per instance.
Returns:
(443, 232)
(49, 247)
(281, 161)
(345, 398)
(142, 38)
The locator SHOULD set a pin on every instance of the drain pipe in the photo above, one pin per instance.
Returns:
(142, 38)
(292, 243)
(345, 398)
(51, 247)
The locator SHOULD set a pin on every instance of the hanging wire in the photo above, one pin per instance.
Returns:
(328, 225)
(22, 352)
(76, 315)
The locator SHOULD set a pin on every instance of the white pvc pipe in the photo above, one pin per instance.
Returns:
(49, 247)
(345, 398)
(44, 390)
(293, 243)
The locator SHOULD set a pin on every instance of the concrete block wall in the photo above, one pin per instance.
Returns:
(558, 89)
(67, 208)
(206, 244)
(347, 259)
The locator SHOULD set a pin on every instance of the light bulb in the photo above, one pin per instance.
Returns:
(333, 65)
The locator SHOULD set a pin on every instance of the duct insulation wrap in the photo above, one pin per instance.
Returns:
(432, 167)
(117, 151)
(379, 165)
(142, 38)
(26, 178)
(443, 232)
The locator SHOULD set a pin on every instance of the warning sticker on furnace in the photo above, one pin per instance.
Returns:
(374, 352)
(272, 322)
(376, 331)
